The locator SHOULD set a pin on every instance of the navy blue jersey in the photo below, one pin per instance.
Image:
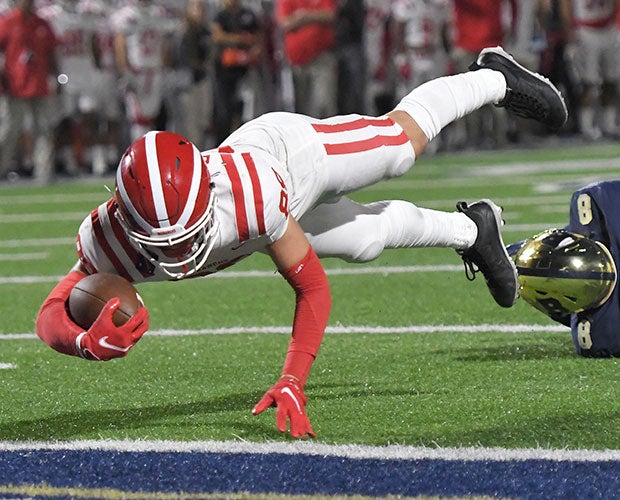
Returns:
(593, 213)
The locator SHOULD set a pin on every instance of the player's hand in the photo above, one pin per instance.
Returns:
(104, 341)
(287, 395)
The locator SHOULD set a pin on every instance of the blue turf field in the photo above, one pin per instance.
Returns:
(110, 473)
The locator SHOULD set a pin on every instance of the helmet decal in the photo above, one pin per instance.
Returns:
(155, 180)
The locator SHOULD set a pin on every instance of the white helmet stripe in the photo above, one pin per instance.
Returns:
(193, 190)
(155, 179)
(129, 205)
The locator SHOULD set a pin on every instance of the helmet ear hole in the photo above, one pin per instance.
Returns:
(563, 271)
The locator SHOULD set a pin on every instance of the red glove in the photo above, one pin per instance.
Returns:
(287, 395)
(104, 341)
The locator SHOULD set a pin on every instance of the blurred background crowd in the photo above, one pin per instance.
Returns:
(82, 78)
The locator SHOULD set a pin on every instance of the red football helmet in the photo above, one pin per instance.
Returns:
(166, 202)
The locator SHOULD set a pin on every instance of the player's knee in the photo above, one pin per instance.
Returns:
(399, 168)
(366, 251)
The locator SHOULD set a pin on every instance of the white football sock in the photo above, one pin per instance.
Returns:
(436, 103)
(408, 225)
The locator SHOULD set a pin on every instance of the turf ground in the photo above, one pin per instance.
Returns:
(415, 354)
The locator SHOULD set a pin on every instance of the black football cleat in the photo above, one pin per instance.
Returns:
(488, 253)
(528, 94)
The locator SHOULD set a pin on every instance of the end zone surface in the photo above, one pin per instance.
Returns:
(164, 469)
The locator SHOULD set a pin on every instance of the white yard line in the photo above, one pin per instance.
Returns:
(354, 270)
(396, 452)
(5, 257)
(42, 217)
(342, 329)
(37, 242)
(44, 199)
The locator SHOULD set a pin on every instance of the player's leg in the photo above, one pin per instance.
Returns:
(610, 87)
(44, 125)
(363, 150)
(497, 79)
(585, 61)
(359, 233)
(143, 102)
(356, 232)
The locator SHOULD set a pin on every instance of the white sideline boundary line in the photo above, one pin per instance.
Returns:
(395, 452)
(339, 329)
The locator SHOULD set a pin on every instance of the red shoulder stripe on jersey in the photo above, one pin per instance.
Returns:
(237, 190)
(258, 193)
(353, 125)
(366, 144)
(103, 242)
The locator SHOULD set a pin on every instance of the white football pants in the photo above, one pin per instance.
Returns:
(328, 158)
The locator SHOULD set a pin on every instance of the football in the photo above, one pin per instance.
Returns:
(90, 294)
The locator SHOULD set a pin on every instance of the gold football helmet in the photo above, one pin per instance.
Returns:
(562, 272)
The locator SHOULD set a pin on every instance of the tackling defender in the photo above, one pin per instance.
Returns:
(278, 185)
(570, 274)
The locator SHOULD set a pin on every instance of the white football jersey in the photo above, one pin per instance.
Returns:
(145, 29)
(377, 15)
(423, 21)
(276, 164)
(251, 212)
(5, 6)
(74, 28)
(595, 14)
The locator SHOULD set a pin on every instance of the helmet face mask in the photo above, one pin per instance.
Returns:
(164, 252)
(562, 273)
(166, 203)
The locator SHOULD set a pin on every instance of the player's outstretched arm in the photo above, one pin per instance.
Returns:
(301, 267)
(102, 341)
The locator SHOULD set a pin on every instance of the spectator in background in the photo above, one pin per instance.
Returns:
(421, 43)
(592, 50)
(553, 58)
(141, 37)
(237, 39)
(110, 122)
(75, 25)
(350, 21)
(377, 48)
(195, 57)
(29, 46)
(309, 40)
(478, 24)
